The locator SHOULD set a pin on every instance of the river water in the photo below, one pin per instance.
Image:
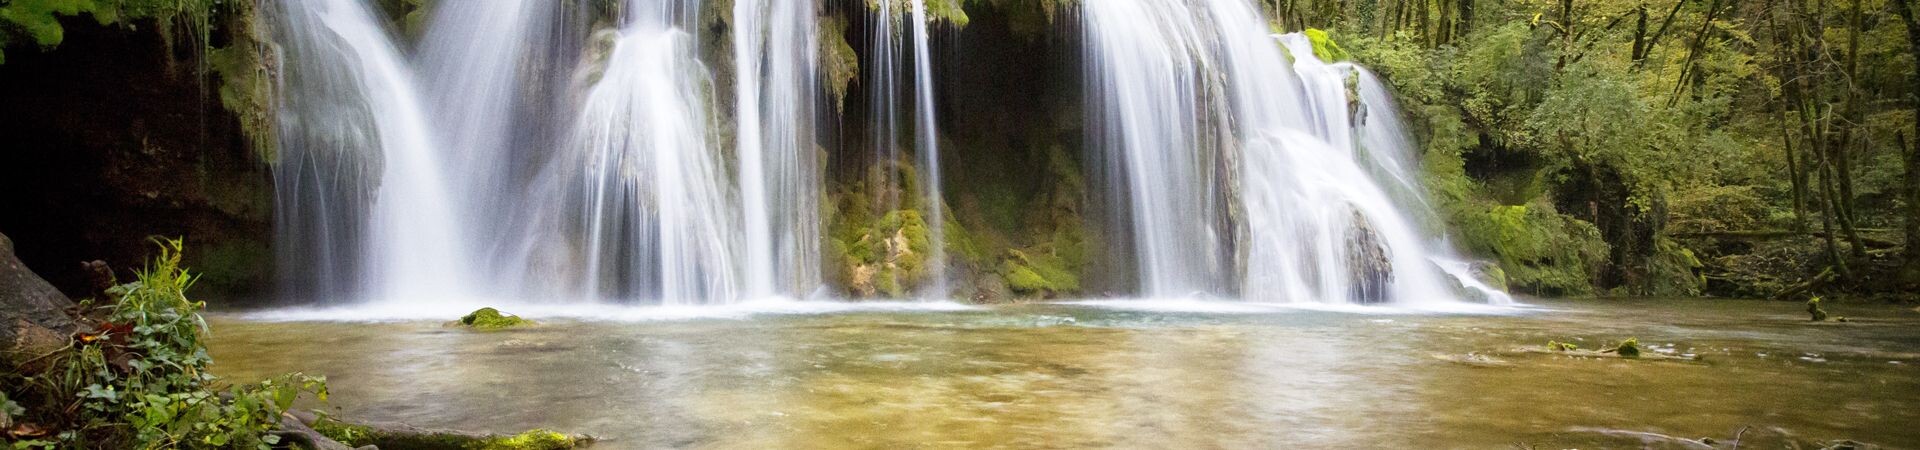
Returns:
(1122, 374)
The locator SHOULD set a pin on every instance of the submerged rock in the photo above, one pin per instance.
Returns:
(489, 319)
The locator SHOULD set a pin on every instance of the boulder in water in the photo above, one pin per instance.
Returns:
(1368, 263)
(489, 319)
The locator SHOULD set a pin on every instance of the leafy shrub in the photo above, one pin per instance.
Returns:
(135, 376)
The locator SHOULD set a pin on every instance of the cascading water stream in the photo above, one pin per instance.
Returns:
(1195, 105)
(657, 217)
(404, 231)
(927, 132)
(780, 181)
(1148, 125)
(478, 58)
(886, 99)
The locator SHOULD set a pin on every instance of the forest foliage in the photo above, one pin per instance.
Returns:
(1579, 142)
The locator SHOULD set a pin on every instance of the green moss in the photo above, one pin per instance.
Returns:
(1540, 251)
(532, 440)
(1023, 279)
(358, 435)
(246, 89)
(1038, 274)
(489, 319)
(1629, 348)
(839, 64)
(1814, 310)
(1673, 270)
(229, 266)
(345, 433)
(1324, 47)
(1561, 346)
(949, 11)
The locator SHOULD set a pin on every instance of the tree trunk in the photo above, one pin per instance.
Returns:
(1640, 33)
(1911, 273)
(1794, 178)
(1647, 49)
(1465, 18)
(1827, 214)
(1842, 158)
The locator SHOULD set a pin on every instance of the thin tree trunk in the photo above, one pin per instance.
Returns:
(1843, 160)
(1798, 183)
(1911, 273)
(1640, 33)
(1465, 18)
(1647, 50)
(1693, 52)
(1826, 219)
(1796, 174)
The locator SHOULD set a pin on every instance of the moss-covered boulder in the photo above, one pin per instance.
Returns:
(402, 436)
(1324, 47)
(489, 319)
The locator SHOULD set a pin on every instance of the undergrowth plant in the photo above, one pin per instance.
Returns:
(135, 376)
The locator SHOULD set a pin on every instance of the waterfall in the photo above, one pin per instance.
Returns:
(927, 134)
(363, 186)
(655, 216)
(884, 78)
(527, 164)
(479, 59)
(1146, 78)
(775, 61)
(1227, 155)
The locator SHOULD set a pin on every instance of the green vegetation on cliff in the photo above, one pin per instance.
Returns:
(240, 61)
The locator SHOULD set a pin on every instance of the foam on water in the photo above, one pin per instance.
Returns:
(589, 311)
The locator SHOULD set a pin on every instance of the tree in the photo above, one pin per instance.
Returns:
(1911, 189)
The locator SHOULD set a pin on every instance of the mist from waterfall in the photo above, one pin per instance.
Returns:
(1245, 175)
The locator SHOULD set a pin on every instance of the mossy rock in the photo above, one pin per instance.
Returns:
(489, 319)
(1324, 47)
(406, 437)
(1039, 274)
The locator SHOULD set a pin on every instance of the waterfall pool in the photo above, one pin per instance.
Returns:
(1128, 374)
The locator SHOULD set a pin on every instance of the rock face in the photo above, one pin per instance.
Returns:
(32, 313)
(1368, 263)
(110, 141)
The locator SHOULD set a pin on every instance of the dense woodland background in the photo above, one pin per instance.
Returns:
(1738, 148)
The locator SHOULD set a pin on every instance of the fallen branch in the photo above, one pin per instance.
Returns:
(1825, 277)
(1777, 234)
